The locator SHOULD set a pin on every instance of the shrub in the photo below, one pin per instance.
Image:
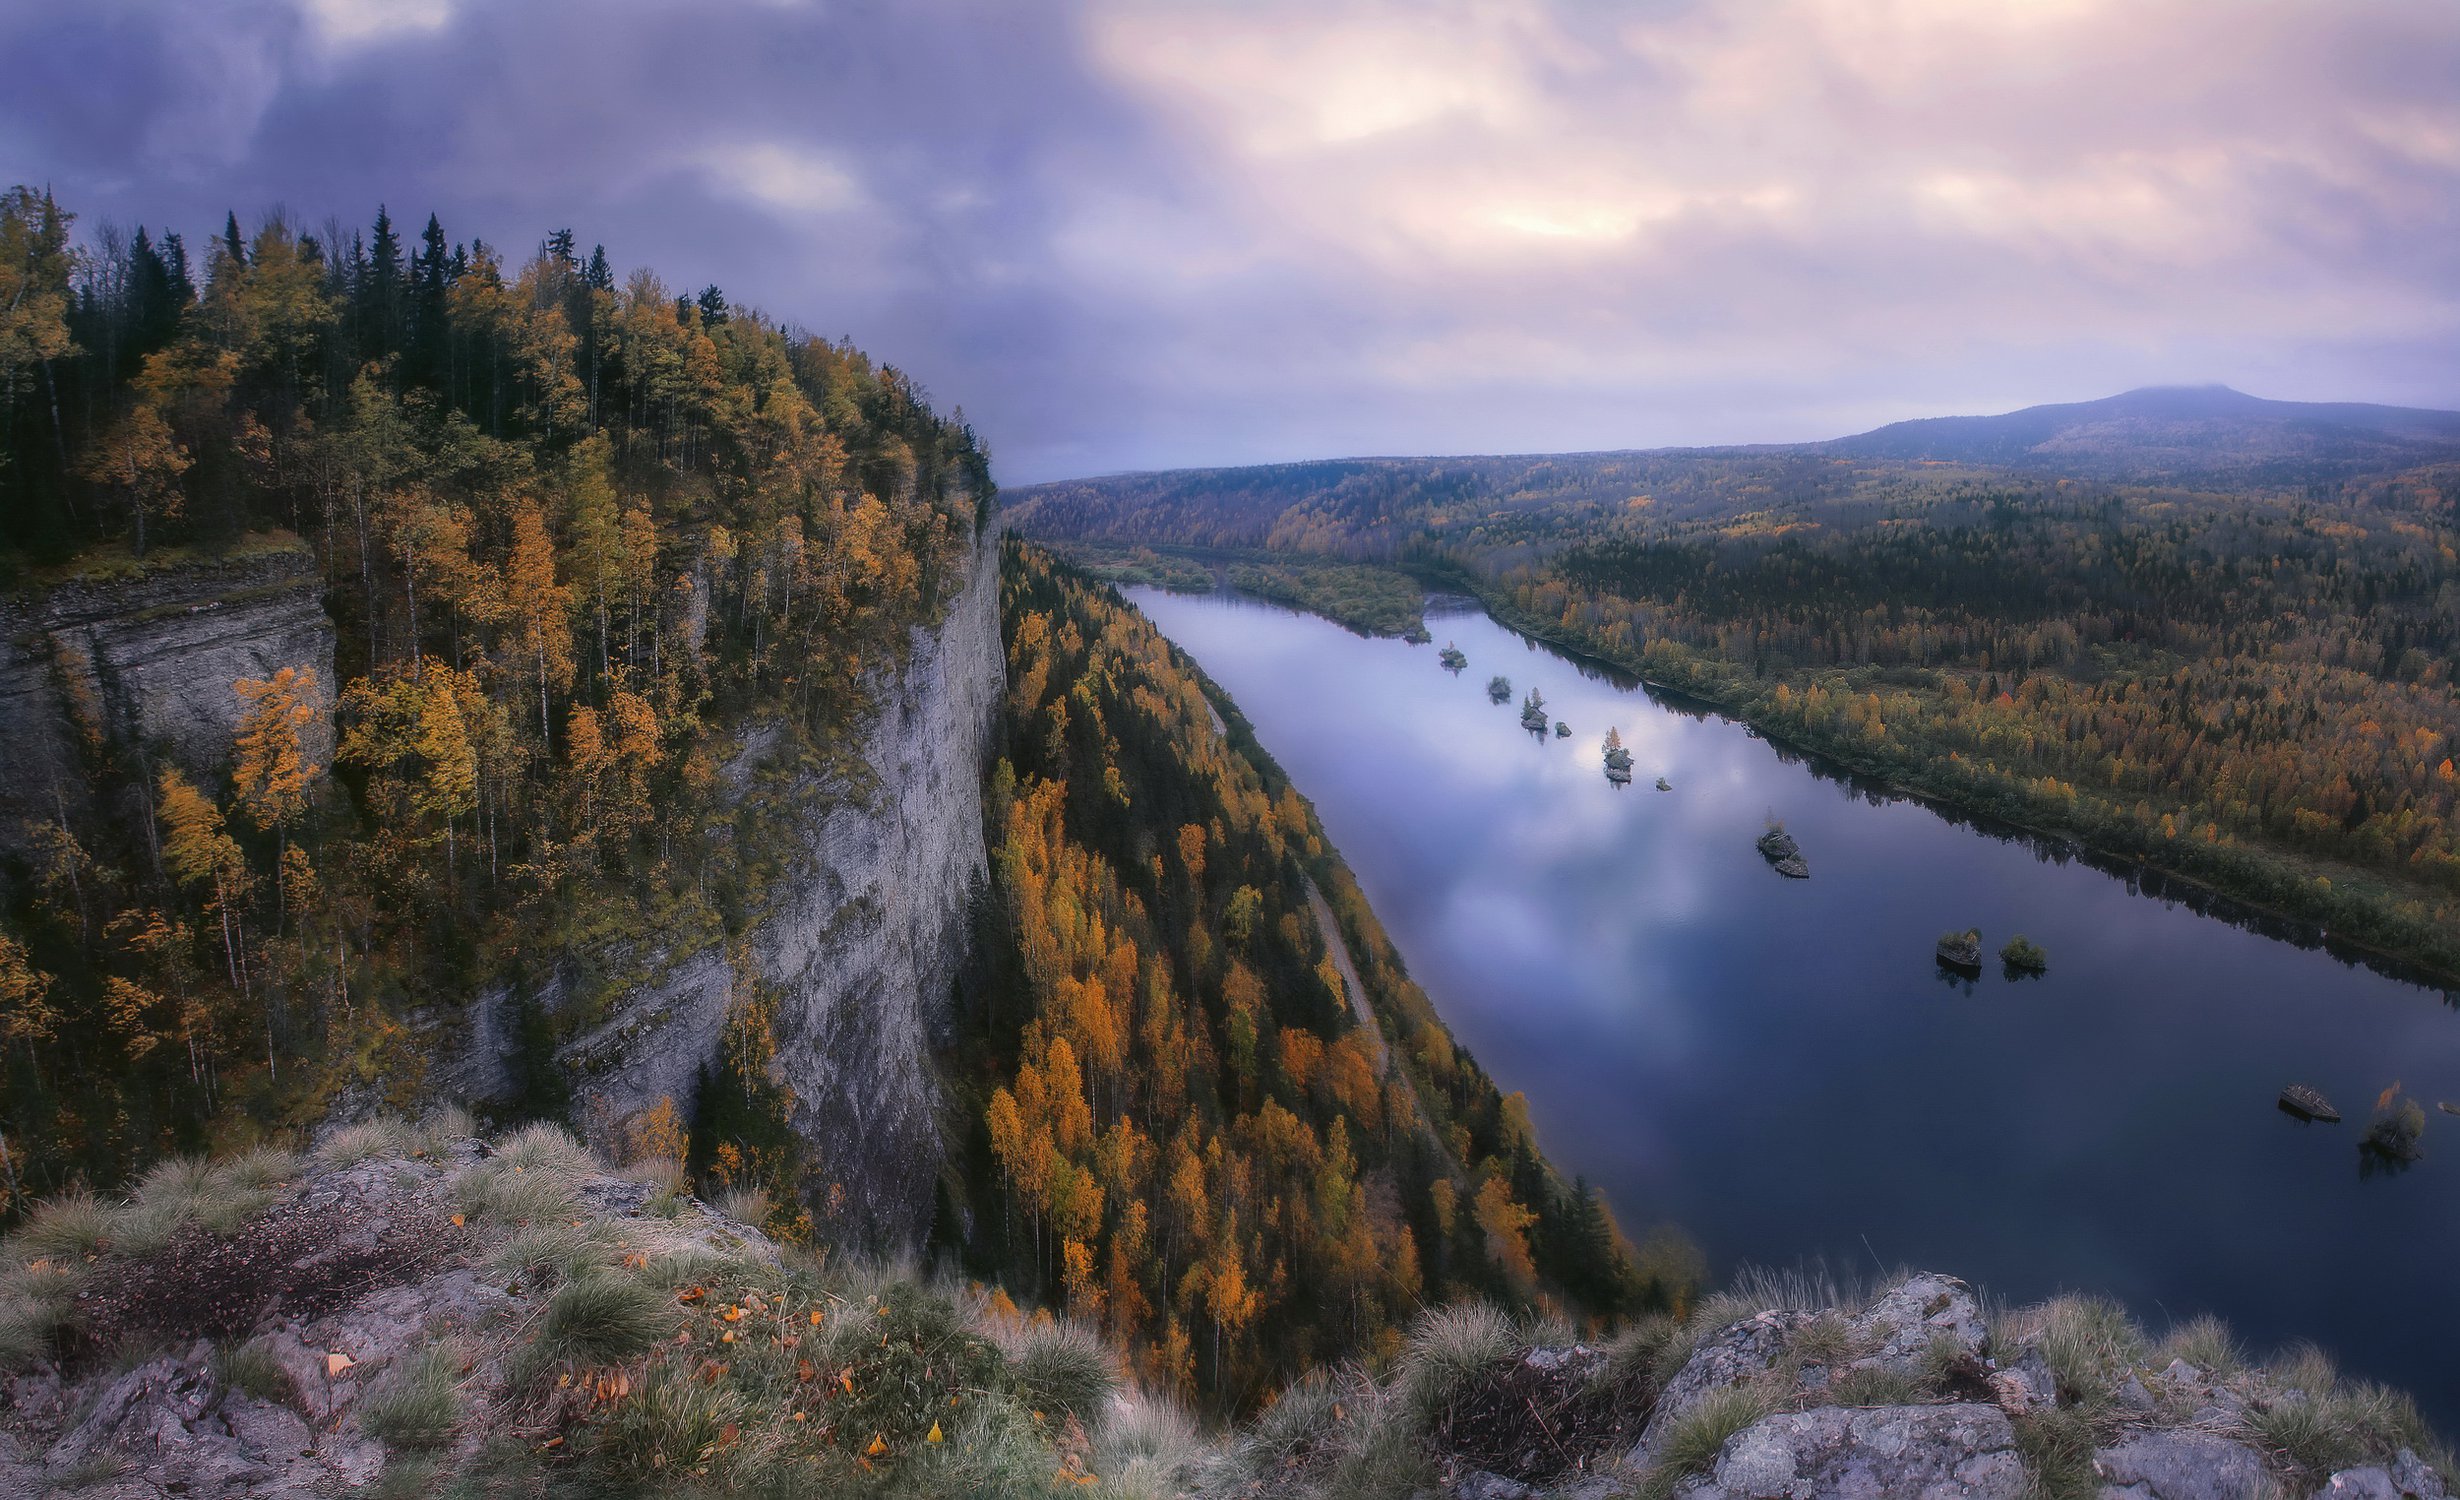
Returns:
(2023, 956)
(2397, 1135)
(600, 1317)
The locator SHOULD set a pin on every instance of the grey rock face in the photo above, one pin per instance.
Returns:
(1736, 1354)
(2180, 1466)
(149, 661)
(1961, 1452)
(858, 945)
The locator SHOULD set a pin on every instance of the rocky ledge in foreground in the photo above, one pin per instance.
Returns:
(1915, 1393)
(420, 1312)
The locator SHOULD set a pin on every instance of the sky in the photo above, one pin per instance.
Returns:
(1140, 235)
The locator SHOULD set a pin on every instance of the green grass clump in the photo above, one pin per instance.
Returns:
(1691, 1442)
(2319, 1423)
(674, 1422)
(1447, 1348)
(251, 1370)
(2057, 1444)
(69, 1227)
(506, 1192)
(1148, 1450)
(418, 1405)
(2204, 1342)
(2090, 1345)
(602, 1317)
(364, 1141)
(1872, 1387)
(1062, 1366)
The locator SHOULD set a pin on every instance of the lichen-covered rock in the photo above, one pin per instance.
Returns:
(2027, 1385)
(2406, 1478)
(1965, 1451)
(2180, 1466)
(1736, 1354)
(1897, 1332)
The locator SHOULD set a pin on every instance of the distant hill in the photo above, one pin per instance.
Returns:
(2174, 430)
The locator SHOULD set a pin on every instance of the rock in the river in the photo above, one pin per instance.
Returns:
(1961, 1452)
(2180, 1466)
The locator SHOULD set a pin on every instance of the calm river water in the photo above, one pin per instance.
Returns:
(1780, 1067)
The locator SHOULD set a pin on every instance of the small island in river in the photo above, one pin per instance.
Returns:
(1777, 847)
(1962, 950)
(1618, 759)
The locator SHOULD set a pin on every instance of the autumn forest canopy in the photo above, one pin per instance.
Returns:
(568, 532)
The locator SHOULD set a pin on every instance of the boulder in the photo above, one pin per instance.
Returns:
(1900, 1328)
(1736, 1354)
(1961, 1452)
(2407, 1477)
(2026, 1385)
(2180, 1466)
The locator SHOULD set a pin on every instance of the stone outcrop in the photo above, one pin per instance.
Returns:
(1913, 1394)
(2185, 1465)
(1958, 1452)
(854, 948)
(146, 662)
(331, 1319)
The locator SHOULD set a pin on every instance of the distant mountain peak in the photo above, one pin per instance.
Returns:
(2164, 429)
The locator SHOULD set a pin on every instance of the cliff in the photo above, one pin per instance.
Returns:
(142, 660)
(849, 951)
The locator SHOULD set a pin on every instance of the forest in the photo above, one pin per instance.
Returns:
(569, 529)
(1188, 1132)
(2248, 684)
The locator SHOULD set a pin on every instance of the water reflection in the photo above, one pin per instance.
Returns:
(1781, 1066)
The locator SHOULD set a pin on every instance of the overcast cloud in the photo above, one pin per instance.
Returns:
(1131, 235)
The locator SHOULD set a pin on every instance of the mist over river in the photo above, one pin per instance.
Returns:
(1781, 1068)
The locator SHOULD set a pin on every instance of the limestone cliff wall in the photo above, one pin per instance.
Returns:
(856, 944)
(147, 661)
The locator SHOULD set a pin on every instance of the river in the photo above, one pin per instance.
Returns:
(1781, 1068)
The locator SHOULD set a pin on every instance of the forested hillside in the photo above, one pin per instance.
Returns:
(2248, 683)
(571, 533)
(1190, 1132)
